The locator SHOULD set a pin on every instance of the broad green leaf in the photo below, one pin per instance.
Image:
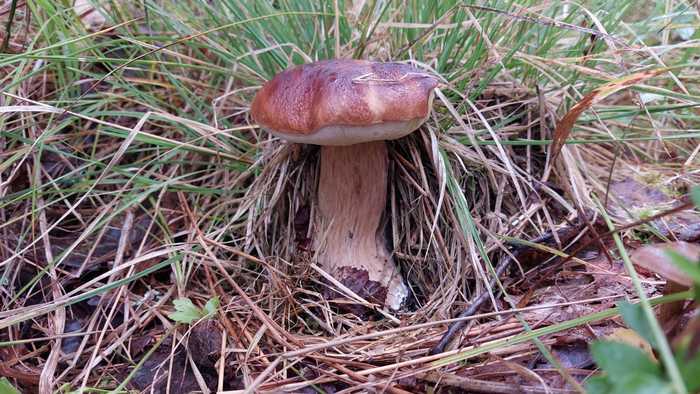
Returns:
(7, 388)
(633, 315)
(690, 369)
(635, 382)
(618, 359)
(598, 385)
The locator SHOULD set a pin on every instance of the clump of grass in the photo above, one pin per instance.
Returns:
(131, 176)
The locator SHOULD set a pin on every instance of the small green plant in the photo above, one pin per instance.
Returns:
(187, 312)
(628, 369)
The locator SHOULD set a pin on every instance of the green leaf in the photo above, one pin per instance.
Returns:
(186, 311)
(598, 385)
(695, 196)
(633, 315)
(690, 370)
(7, 388)
(620, 359)
(640, 383)
(211, 306)
(689, 267)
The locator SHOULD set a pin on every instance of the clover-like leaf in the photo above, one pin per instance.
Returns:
(186, 311)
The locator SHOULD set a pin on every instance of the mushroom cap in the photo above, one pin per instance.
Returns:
(344, 102)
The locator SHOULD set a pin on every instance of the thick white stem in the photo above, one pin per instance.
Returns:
(352, 194)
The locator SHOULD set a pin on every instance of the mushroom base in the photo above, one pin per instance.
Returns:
(352, 194)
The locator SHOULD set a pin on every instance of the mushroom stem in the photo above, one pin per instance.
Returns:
(352, 195)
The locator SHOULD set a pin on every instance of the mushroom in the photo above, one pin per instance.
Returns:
(350, 108)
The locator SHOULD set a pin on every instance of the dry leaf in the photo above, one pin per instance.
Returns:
(655, 259)
(566, 124)
(92, 17)
(630, 337)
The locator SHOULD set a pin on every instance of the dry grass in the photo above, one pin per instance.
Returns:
(125, 186)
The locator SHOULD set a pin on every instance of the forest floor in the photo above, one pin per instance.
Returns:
(153, 238)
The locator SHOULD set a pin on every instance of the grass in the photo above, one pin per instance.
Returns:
(131, 175)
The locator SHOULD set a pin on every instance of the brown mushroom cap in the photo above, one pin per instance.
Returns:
(344, 102)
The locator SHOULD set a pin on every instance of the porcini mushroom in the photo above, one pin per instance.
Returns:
(350, 108)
